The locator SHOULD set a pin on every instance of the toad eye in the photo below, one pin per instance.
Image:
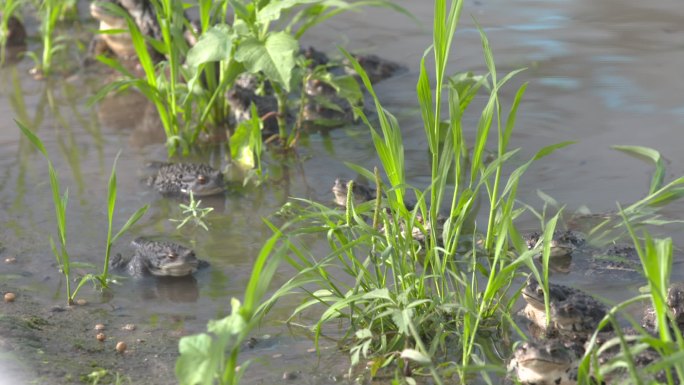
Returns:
(201, 179)
(171, 255)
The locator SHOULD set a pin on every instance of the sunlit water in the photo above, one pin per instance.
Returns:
(600, 73)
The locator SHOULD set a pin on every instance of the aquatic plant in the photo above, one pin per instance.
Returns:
(8, 8)
(60, 202)
(656, 261)
(410, 301)
(223, 52)
(246, 148)
(103, 278)
(193, 213)
(409, 297)
(50, 11)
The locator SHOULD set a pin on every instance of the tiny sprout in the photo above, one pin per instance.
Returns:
(193, 212)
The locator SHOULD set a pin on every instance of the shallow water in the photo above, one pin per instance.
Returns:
(600, 73)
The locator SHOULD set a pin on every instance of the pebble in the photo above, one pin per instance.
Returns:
(251, 343)
(10, 297)
(99, 327)
(121, 347)
(10, 260)
(289, 376)
(128, 327)
(81, 302)
(100, 337)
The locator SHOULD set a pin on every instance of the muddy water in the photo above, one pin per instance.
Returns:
(600, 73)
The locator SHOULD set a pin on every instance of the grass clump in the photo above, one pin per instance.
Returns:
(414, 283)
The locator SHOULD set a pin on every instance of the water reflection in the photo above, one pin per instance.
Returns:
(130, 111)
(172, 289)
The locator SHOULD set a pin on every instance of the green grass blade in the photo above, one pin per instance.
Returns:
(262, 273)
(131, 221)
(653, 156)
(390, 145)
(32, 137)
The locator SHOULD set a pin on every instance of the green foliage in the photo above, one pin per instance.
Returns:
(274, 56)
(254, 43)
(60, 203)
(246, 147)
(8, 9)
(103, 278)
(50, 12)
(656, 260)
(212, 358)
(409, 296)
(193, 213)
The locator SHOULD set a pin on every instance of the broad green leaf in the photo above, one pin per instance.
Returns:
(400, 321)
(214, 45)
(275, 56)
(415, 356)
(241, 10)
(378, 294)
(272, 11)
(197, 363)
(240, 141)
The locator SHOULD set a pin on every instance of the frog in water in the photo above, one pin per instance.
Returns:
(16, 33)
(158, 258)
(570, 247)
(185, 178)
(674, 301)
(545, 363)
(360, 192)
(573, 313)
(121, 44)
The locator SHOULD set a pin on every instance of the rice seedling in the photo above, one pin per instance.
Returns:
(50, 12)
(667, 343)
(104, 277)
(60, 202)
(8, 10)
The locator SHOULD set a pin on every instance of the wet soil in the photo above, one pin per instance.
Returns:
(55, 344)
